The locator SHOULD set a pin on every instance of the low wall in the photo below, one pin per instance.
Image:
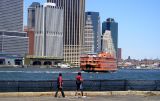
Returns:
(89, 85)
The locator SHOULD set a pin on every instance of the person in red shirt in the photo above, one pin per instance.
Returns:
(79, 83)
(59, 85)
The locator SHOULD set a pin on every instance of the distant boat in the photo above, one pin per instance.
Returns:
(64, 66)
(138, 67)
(102, 62)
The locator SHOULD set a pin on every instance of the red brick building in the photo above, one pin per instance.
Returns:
(30, 34)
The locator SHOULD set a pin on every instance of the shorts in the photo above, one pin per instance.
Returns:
(79, 86)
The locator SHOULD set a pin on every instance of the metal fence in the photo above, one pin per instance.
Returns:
(89, 85)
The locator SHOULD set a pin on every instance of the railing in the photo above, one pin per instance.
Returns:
(89, 85)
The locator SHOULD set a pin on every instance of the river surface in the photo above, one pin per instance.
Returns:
(69, 74)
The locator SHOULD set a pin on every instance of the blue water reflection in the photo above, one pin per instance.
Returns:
(69, 74)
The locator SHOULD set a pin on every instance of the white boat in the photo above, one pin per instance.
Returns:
(64, 65)
(138, 67)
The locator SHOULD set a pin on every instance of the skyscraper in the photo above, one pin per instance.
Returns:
(11, 15)
(88, 41)
(48, 31)
(74, 11)
(31, 15)
(92, 35)
(107, 43)
(15, 43)
(112, 26)
(30, 29)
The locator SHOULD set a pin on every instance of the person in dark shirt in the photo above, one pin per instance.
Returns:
(79, 83)
(59, 85)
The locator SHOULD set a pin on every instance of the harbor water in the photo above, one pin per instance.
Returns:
(37, 74)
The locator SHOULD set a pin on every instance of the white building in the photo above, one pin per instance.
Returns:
(88, 42)
(107, 43)
(48, 31)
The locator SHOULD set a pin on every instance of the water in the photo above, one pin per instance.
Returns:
(69, 74)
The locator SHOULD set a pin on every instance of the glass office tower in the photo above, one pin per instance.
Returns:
(112, 26)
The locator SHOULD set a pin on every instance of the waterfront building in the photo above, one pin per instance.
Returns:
(92, 35)
(48, 38)
(74, 17)
(31, 15)
(13, 44)
(11, 15)
(112, 26)
(107, 43)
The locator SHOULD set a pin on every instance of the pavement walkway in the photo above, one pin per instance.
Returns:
(90, 96)
(73, 98)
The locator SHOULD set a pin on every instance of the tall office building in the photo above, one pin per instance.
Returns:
(48, 38)
(11, 15)
(13, 47)
(92, 26)
(107, 43)
(74, 15)
(30, 29)
(31, 15)
(13, 43)
(88, 41)
(112, 26)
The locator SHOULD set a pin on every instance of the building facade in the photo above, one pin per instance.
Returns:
(112, 26)
(48, 38)
(107, 43)
(119, 55)
(11, 15)
(14, 42)
(88, 41)
(92, 35)
(30, 35)
(74, 15)
(31, 15)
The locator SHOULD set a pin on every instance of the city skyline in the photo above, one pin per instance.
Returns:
(138, 24)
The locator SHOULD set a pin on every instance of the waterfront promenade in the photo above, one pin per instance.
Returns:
(89, 96)
(100, 98)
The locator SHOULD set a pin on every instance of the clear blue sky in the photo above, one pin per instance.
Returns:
(139, 24)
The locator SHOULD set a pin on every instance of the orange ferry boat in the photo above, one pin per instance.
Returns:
(102, 62)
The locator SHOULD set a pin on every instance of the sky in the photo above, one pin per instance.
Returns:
(138, 24)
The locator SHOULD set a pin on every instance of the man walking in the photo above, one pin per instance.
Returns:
(59, 85)
(79, 83)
